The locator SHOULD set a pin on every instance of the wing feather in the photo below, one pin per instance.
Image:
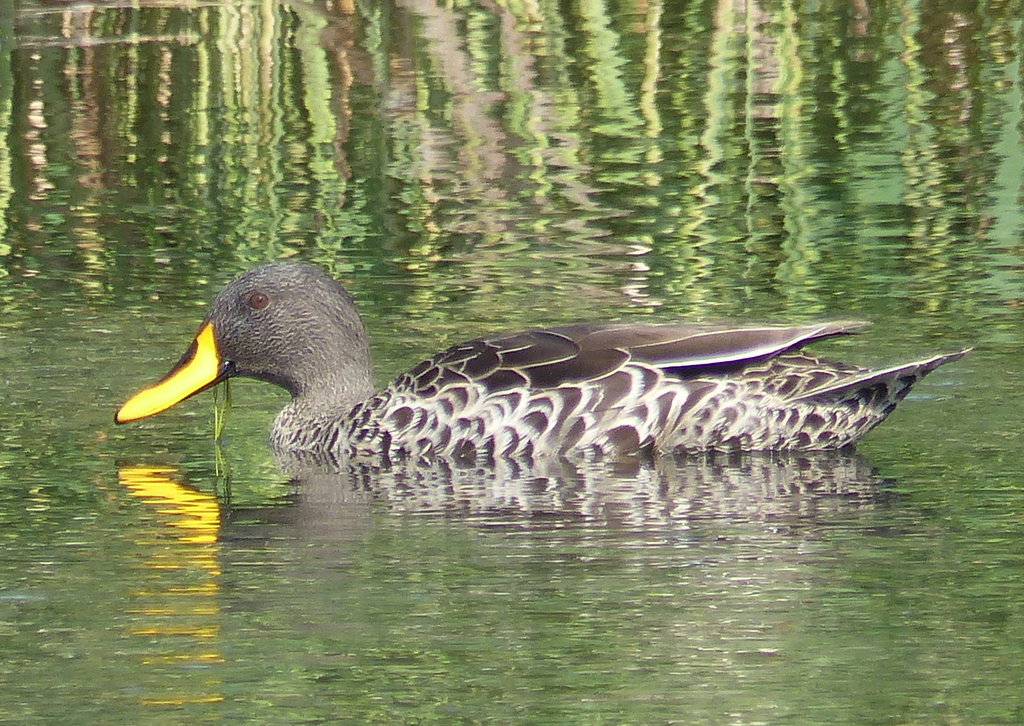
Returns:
(701, 346)
(549, 358)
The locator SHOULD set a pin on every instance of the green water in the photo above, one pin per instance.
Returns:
(467, 168)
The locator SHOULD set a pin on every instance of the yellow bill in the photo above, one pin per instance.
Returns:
(198, 369)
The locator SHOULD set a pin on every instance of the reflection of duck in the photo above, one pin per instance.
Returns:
(605, 389)
(175, 608)
(196, 514)
(780, 490)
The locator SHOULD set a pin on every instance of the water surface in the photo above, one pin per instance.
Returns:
(469, 168)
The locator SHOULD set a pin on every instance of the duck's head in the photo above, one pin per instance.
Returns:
(287, 323)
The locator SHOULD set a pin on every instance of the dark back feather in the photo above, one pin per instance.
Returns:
(549, 358)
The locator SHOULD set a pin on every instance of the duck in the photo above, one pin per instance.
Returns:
(580, 390)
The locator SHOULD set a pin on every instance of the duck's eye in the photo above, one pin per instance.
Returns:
(257, 300)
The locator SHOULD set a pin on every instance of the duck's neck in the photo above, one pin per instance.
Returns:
(334, 392)
(315, 419)
(331, 368)
(322, 396)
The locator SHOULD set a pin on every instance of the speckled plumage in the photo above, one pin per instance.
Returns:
(579, 390)
(615, 390)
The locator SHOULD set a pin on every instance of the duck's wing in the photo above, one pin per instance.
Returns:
(573, 354)
(685, 347)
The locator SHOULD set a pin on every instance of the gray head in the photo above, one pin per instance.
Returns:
(292, 324)
(287, 323)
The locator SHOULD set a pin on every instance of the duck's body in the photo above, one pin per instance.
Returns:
(576, 390)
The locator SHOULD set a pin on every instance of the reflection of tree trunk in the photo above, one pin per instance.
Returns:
(351, 64)
(486, 150)
(482, 151)
(861, 18)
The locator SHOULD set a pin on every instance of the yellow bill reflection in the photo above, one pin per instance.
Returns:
(177, 604)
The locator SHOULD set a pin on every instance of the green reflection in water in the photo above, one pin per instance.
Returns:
(6, 98)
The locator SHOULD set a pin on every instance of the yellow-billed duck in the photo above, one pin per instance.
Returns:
(574, 390)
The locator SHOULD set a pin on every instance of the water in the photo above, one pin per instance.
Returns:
(466, 169)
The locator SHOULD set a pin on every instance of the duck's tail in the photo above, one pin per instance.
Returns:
(879, 389)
